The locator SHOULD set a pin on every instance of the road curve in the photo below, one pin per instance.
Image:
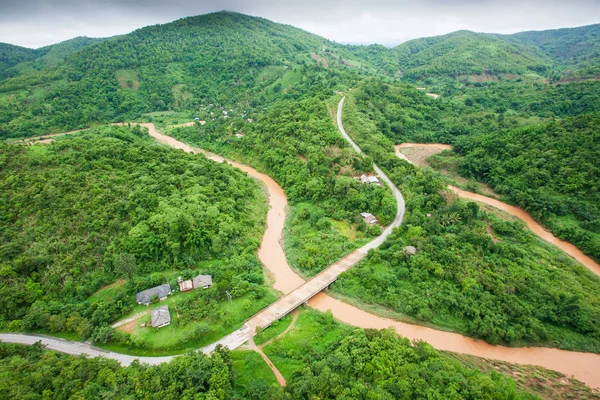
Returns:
(583, 366)
(297, 291)
(76, 348)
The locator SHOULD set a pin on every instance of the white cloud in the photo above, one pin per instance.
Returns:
(35, 23)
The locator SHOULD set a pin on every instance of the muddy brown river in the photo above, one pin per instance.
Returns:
(583, 366)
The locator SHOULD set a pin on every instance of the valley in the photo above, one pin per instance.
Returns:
(428, 210)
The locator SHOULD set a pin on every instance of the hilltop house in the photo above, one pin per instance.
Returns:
(369, 218)
(144, 297)
(160, 316)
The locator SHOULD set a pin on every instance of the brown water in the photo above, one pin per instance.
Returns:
(583, 366)
(271, 251)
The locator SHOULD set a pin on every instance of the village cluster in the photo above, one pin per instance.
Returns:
(161, 316)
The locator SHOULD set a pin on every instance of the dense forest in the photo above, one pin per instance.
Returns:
(464, 53)
(323, 359)
(15, 60)
(295, 142)
(220, 58)
(575, 49)
(501, 286)
(34, 373)
(81, 212)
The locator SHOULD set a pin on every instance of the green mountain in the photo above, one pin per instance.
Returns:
(15, 60)
(463, 54)
(222, 58)
(576, 51)
(11, 55)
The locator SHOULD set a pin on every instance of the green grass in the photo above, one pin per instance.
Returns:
(274, 330)
(270, 73)
(128, 78)
(349, 231)
(290, 79)
(249, 367)
(446, 163)
(311, 337)
(313, 243)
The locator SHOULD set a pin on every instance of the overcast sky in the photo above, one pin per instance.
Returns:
(35, 23)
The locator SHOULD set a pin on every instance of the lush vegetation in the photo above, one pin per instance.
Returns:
(545, 166)
(89, 220)
(463, 53)
(319, 358)
(512, 291)
(296, 143)
(11, 55)
(550, 170)
(16, 60)
(34, 373)
(574, 49)
(81, 212)
(323, 359)
(221, 58)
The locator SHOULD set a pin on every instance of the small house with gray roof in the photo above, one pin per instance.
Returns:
(144, 297)
(203, 281)
(160, 316)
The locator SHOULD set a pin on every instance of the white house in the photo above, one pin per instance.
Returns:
(369, 218)
(369, 179)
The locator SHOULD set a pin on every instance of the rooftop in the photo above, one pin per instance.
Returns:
(145, 296)
(160, 316)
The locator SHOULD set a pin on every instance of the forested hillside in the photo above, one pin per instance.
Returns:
(80, 213)
(574, 49)
(11, 55)
(16, 60)
(90, 219)
(222, 58)
(463, 54)
(550, 170)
